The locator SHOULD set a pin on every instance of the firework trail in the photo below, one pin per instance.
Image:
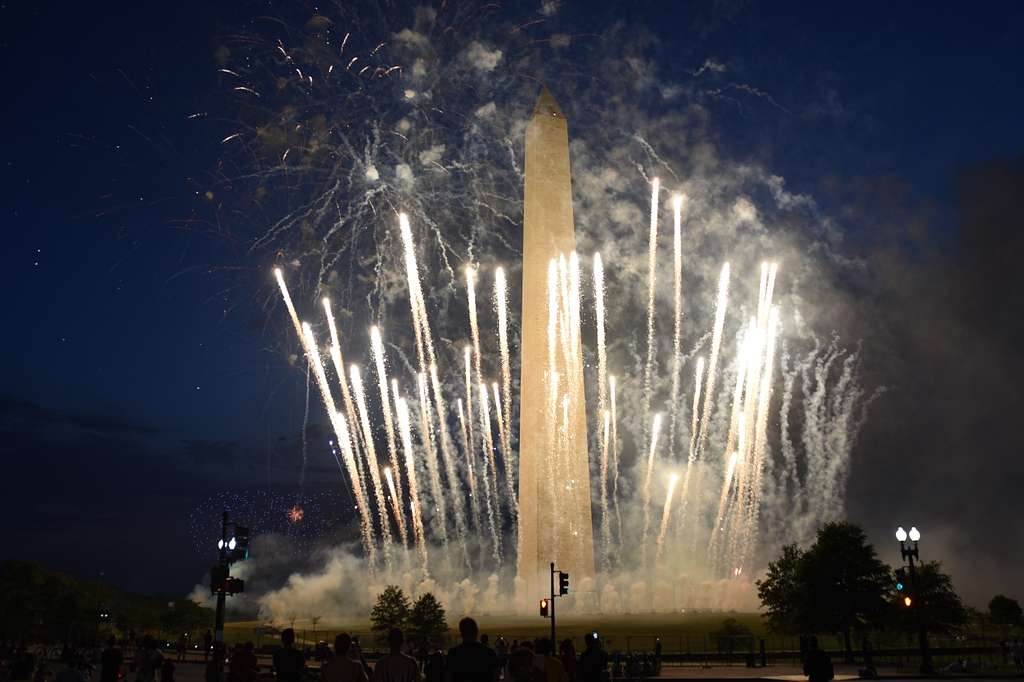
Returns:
(602, 351)
(305, 335)
(698, 374)
(732, 453)
(552, 317)
(279, 276)
(425, 353)
(338, 360)
(377, 346)
(449, 460)
(506, 458)
(474, 328)
(371, 460)
(396, 510)
(721, 303)
(404, 428)
(416, 306)
(474, 501)
(677, 318)
(655, 429)
(665, 514)
(606, 531)
(602, 401)
(503, 406)
(321, 379)
(717, 529)
(427, 436)
(652, 273)
(365, 522)
(553, 437)
(490, 475)
(467, 355)
(501, 302)
(760, 429)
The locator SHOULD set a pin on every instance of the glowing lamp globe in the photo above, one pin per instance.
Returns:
(915, 534)
(901, 534)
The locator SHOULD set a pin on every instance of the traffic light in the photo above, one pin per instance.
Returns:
(221, 581)
(563, 584)
(901, 580)
(907, 601)
(544, 608)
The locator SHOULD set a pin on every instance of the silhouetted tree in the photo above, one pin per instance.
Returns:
(390, 611)
(1004, 611)
(837, 585)
(427, 623)
(780, 592)
(933, 593)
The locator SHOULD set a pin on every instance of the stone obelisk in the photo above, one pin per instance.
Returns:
(554, 473)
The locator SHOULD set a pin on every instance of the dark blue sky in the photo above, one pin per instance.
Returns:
(132, 339)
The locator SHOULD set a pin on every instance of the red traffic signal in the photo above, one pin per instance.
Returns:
(544, 608)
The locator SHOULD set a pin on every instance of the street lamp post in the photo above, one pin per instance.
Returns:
(909, 552)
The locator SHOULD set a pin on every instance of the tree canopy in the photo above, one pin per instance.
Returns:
(1004, 611)
(39, 603)
(391, 611)
(836, 585)
(427, 623)
(933, 592)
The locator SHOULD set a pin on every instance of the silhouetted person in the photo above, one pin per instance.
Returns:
(167, 670)
(343, 668)
(593, 661)
(521, 668)
(471, 661)
(111, 661)
(147, 660)
(289, 664)
(433, 670)
(817, 664)
(215, 666)
(69, 671)
(396, 666)
(567, 654)
(207, 643)
(182, 647)
(545, 660)
(243, 666)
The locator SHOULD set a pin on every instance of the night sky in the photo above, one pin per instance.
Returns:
(141, 371)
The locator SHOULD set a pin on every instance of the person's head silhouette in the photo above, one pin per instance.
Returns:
(395, 640)
(468, 629)
(288, 638)
(342, 643)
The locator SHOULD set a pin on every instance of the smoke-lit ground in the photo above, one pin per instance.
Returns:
(350, 115)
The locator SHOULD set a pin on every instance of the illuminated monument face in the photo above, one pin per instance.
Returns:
(554, 474)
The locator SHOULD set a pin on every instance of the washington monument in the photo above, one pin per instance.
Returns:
(554, 473)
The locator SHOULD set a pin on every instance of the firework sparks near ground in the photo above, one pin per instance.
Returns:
(387, 159)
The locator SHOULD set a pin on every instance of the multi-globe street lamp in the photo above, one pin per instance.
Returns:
(909, 552)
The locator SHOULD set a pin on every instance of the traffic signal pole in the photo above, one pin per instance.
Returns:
(554, 646)
(218, 627)
(922, 626)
